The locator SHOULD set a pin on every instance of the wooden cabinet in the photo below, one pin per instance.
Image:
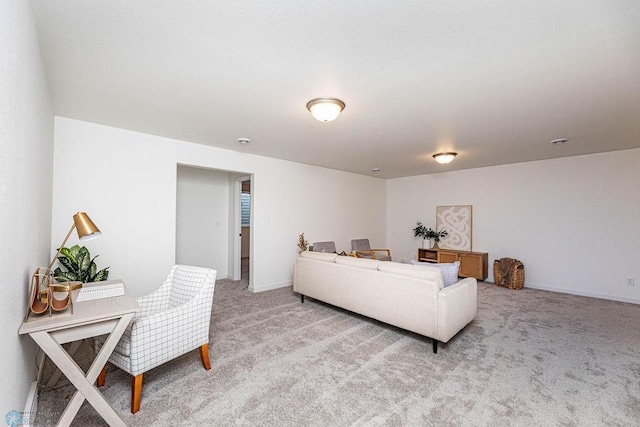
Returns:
(447, 256)
(428, 255)
(472, 264)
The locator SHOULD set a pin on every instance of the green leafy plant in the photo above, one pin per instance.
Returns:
(80, 266)
(428, 233)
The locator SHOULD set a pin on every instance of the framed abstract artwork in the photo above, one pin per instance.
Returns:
(457, 222)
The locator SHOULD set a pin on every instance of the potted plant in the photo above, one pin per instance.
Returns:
(80, 266)
(429, 234)
(303, 245)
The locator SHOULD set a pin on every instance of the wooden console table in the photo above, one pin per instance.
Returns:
(89, 319)
(472, 264)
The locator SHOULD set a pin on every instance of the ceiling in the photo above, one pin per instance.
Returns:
(495, 81)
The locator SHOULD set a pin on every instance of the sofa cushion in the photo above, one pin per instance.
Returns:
(425, 272)
(319, 256)
(369, 264)
(449, 272)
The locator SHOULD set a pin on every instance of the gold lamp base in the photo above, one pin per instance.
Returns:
(66, 286)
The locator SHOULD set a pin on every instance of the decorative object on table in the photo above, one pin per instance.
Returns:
(59, 305)
(457, 222)
(41, 292)
(173, 320)
(99, 290)
(362, 249)
(303, 245)
(436, 236)
(80, 266)
(429, 234)
(85, 228)
(508, 273)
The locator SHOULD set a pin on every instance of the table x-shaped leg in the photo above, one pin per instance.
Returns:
(55, 377)
(85, 384)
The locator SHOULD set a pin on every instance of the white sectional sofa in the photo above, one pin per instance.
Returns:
(411, 297)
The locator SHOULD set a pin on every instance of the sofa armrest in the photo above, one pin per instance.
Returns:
(457, 306)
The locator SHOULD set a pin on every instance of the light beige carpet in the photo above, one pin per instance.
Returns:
(530, 358)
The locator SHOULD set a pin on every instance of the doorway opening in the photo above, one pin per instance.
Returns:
(245, 224)
(242, 230)
(210, 215)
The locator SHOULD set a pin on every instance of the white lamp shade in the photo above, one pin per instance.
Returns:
(325, 109)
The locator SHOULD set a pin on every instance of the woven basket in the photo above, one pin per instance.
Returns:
(516, 281)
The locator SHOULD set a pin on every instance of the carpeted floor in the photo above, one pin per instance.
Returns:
(530, 358)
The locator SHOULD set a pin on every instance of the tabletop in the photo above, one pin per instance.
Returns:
(84, 313)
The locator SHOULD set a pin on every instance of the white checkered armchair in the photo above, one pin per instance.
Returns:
(172, 321)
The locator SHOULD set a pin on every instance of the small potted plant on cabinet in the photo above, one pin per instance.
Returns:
(429, 234)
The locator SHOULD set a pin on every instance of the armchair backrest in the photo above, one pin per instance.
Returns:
(328, 247)
(187, 282)
(360, 245)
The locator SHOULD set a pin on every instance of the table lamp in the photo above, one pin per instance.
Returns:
(86, 229)
(43, 300)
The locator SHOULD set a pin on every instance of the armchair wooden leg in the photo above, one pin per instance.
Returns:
(102, 377)
(136, 393)
(204, 355)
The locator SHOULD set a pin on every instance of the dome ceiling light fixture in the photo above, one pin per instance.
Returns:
(444, 158)
(325, 109)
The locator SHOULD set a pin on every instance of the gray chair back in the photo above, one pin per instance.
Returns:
(328, 247)
(360, 245)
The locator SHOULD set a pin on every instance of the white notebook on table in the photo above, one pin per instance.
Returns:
(97, 290)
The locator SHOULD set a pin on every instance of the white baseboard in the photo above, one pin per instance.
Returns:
(582, 293)
(270, 287)
(31, 406)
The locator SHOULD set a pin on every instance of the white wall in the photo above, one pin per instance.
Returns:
(26, 153)
(202, 215)
(119, 176)
(574, 222)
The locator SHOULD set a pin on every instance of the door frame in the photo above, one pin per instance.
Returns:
(237, 226)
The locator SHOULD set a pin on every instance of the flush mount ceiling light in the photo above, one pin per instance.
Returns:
(444, 158)
(559, 141)
(244, 141)
(325, 109)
